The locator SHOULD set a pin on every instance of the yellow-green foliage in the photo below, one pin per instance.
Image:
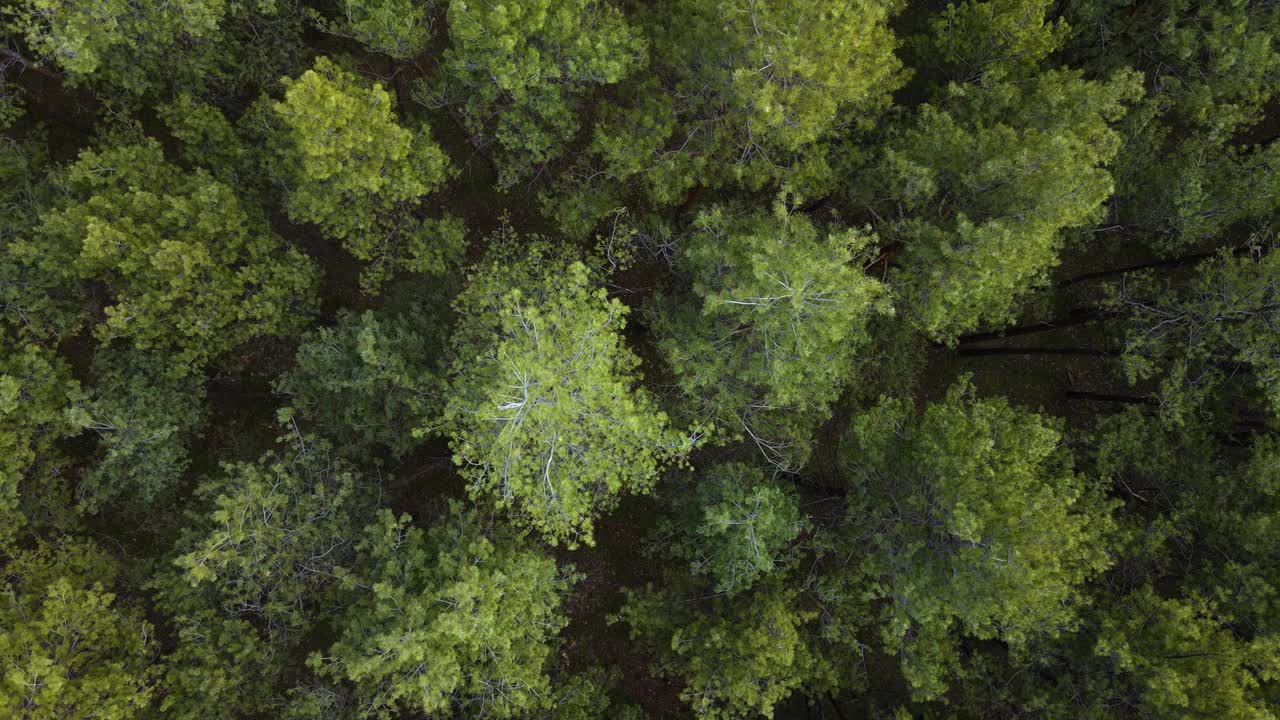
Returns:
(543, 414)
(448, 615)
(36, 390)
(520, 72)
(192, 271)
(737, 657)
(975, 524)
(69, 646)
(1018, 163)
(783, 313)
(350, 168)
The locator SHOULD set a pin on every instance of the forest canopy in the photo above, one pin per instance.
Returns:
(628, 359)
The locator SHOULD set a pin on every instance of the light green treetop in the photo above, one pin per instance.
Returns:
(733, 526)
(1195, 337)
(590, 695)
(520, 72)
(126, 51)
(209, 140)
(191, 270)
(737, 657)
(753, 79)
(987, 179)
(69, 648)
(36, 391)
(112, 38)
(274, 536)
(784, 311)
(349, 167)
(741, 93)
(1189, 169)
(141, 414)
(445, 617)
(399, 28)
(219, 668)
(992, 41)
(975, 523)
(1180, 662)
(544, 413)
(36, 305)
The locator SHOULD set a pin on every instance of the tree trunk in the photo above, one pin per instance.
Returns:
(1170, 263)
(835, 705)
(1108, 397)
(973, 352)
(29, 65)
(1078, 316)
